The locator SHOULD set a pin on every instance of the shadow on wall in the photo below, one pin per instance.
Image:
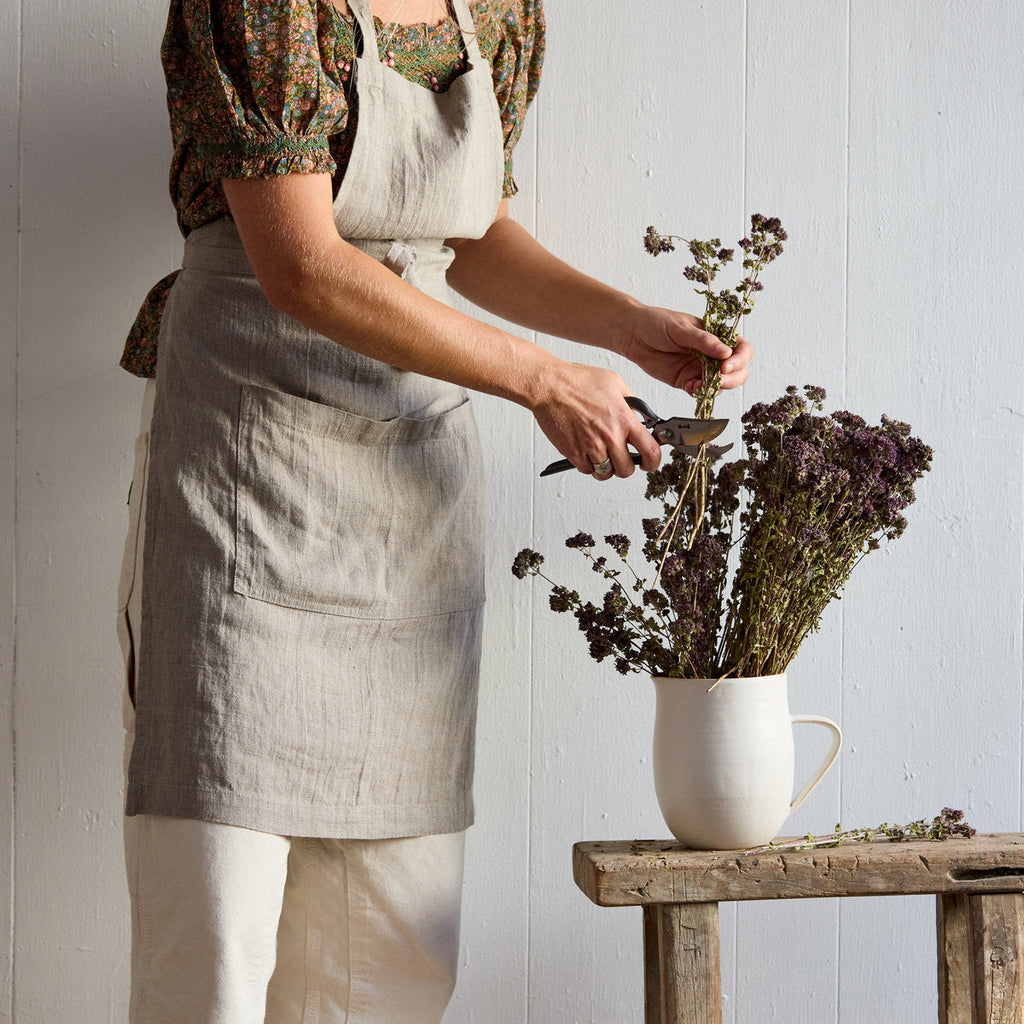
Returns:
(97, 227)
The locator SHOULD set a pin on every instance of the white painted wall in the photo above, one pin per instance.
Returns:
(888, 137)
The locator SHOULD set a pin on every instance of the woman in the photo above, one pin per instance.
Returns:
(304, 639)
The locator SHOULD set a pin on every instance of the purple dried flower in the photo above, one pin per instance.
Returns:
(580, 540)
(811, 535)
(652, 527)
(655, 243)
(849, 420)
(562, 599)
(803, 458)
(619, 543)
(525, 562)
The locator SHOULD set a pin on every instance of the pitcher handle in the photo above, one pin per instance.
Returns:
(830, 757)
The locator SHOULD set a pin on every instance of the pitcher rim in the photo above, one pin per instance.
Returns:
(715, 679)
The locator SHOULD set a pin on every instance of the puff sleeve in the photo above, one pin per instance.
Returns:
(253, 85)
(513, 40)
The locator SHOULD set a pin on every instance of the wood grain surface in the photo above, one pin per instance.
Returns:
(953, 935)
(615, 874)
(997, 952)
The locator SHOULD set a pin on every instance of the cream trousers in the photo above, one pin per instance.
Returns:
(231, 926)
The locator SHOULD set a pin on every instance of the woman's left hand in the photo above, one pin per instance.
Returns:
(665, 344)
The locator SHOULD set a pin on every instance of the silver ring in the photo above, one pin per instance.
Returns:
(602, 468)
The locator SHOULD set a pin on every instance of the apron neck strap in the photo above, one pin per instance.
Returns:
(469, 32)
(460, 8)
(364, 19)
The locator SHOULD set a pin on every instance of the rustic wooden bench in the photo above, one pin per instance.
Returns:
(978, 883)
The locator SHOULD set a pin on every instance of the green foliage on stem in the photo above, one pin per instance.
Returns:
(723, 308)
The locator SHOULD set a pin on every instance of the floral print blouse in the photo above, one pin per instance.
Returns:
(257, 88)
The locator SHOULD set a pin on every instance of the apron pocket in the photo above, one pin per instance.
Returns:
(350, 516)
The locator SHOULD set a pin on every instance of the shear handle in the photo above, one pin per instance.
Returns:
(647, 414)
(563, 464)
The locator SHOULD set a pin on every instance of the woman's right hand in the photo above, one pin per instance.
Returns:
(582, 411)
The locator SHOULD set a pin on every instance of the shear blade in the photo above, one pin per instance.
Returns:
(711, 451)
(680, 431)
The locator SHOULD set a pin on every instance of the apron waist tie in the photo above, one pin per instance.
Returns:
(400, 257)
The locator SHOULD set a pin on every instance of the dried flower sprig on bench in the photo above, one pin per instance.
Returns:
(948, 824)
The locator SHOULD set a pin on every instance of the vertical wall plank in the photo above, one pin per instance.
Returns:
(10, 113)
(932, 673)
(640, 122)
(495, 931)
(97, 231)
(796, 136)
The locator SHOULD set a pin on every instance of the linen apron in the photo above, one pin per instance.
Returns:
(313, 585)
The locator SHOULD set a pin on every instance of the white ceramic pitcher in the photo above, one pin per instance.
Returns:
(723, 759)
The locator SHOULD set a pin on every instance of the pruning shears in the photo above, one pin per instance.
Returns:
(686, 435)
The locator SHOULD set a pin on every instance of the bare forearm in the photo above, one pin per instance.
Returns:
(356, 301)
(349, 297)
(510, 274)
(309, 272)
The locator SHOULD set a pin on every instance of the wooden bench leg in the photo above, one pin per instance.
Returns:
(981, 958)
(652, 965)
(997, 957)
(953, 932)
(683, 971)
